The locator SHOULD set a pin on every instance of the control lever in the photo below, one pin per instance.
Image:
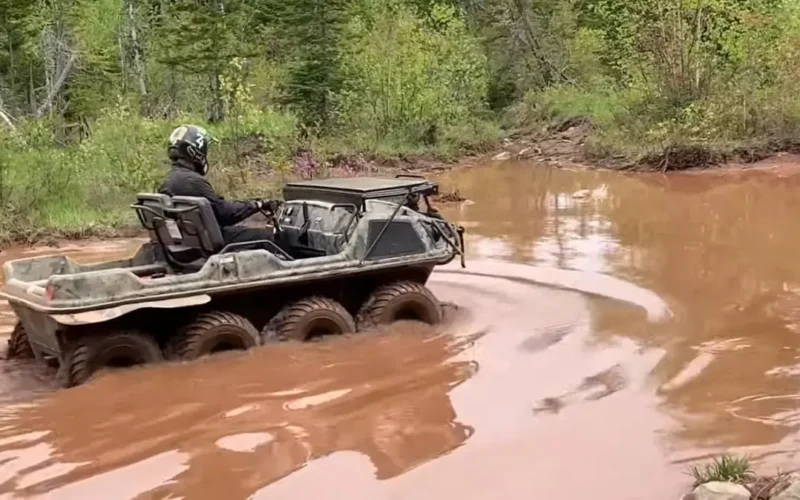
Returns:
(274, 219)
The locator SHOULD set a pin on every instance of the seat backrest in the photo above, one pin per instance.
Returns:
(196, 223)
(154, 204)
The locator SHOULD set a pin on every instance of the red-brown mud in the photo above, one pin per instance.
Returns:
(669, 332)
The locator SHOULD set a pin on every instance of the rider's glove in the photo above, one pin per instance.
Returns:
(268, 205)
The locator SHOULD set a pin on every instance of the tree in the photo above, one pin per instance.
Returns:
(315, 29)
(199, 37)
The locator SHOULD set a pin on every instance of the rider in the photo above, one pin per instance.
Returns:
(188, 152)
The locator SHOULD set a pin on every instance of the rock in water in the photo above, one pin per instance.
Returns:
(583, 193)
(720, 491)
(790, 493)
(505, 155)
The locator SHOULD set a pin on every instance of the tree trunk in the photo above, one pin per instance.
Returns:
(11, 59)
(217, 109)
(55, 88)
(138, 56)
(122, 65)
(31, 89)
(58, 61)
(4, 116)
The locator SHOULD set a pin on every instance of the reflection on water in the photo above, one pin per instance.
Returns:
(238, 426)
(721, 251)
(535, 386)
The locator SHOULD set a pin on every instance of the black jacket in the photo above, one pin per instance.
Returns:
(183, 180)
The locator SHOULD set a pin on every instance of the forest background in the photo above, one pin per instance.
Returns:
(90, 89)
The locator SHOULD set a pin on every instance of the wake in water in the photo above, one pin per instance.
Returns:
(592, 283)
(404, 396)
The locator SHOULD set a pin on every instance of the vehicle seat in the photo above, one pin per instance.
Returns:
(154, 204)
(191, 234)
(197, 223)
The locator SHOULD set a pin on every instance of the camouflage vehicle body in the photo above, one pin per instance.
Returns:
(347, 239)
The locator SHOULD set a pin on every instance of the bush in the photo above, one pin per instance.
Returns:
(653, 82)
(407, 80)
(725, 468)
(46, 184)
(540, 108)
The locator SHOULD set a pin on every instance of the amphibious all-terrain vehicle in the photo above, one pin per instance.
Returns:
(352, 253)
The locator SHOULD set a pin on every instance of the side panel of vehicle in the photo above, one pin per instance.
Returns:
(42, 330)
(50, 333)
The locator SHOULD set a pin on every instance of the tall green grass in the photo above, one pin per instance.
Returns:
(50, 183)
(56, 184)
(725, 468)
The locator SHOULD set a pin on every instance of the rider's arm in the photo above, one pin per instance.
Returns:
(228, 212)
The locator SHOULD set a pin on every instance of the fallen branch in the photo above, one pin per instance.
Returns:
(56, 88)
(7, 119)
(5, 116)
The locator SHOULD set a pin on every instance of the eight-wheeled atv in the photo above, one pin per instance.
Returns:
(353, 253)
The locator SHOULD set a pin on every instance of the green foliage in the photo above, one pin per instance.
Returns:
(315, 28)
(725, 468)
(657, 76)
(251, 150)
(604, 106)
(527, 43)
(406, 81)
(94, 86)
(44, 184)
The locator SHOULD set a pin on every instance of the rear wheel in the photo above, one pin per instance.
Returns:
(18, 345)
(121, 349)
(309, 318)
(211, 333)
(401, 300)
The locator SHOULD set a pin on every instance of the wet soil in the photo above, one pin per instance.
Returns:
(667, 332)
(564, 144)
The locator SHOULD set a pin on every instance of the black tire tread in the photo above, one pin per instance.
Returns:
(282, 326)
(18, 345)
(78, 365)
(370, 312)
(78, 369)
(181, 345)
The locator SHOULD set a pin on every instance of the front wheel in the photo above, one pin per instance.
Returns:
(121, 349)
(18, 345)
(401, 300)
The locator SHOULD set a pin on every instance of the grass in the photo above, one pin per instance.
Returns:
(536, 108)
(448, 143)
(725, 468)
(53, 186)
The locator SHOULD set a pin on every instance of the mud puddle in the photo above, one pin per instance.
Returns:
(669, 332)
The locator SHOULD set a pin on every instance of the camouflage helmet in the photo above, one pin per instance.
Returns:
(190, 143)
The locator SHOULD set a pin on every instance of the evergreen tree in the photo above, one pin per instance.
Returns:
(314, 28)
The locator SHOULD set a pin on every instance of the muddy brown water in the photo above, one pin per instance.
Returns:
(672, 334)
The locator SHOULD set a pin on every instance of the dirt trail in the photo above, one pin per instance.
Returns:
(681, 343)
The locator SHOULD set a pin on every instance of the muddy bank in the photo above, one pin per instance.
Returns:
(56, 238)
(564, 144)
